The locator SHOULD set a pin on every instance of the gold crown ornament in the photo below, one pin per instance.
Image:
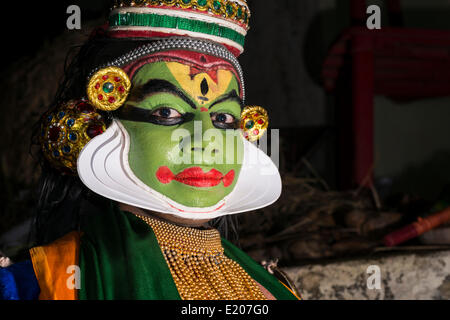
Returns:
(222, 21)
(254, 122)
(66, 130)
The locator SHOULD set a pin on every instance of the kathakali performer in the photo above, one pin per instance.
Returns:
(147, 154)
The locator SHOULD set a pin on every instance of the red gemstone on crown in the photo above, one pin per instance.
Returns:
(260, 121)
(84, 107)
(105, 77)
(53, 134)
(121, 89)
(97, 86)
(256, 132)
(111, 100)
(100, 97)
(117, 79)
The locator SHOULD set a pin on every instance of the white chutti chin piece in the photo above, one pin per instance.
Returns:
(103, 167)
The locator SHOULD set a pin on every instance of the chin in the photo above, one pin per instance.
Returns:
(199, 201)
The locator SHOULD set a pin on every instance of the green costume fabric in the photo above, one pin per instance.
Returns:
(257, 272)
(120, 259)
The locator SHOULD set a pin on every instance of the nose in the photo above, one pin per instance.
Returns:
(213, 151)
(200, 152)
(201, 147)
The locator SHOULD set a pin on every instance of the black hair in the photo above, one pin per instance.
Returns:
(62, 199)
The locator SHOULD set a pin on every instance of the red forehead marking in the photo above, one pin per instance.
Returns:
(211, 72)
(199, 63)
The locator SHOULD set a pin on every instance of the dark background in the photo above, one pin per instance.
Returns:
(285, 49)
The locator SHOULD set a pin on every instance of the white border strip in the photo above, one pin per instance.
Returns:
(181, 32)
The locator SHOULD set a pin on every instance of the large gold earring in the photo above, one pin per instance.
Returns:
(254, 122)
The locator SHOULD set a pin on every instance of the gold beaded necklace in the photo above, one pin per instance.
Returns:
(198, 265)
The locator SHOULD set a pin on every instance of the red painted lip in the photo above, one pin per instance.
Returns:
(195, 177)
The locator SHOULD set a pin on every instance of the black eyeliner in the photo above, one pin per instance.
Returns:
(220, 125)
(129, 113)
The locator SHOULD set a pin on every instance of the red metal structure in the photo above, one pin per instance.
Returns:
(401, 63)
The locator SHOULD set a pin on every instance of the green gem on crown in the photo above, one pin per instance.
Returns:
(186, 1)
(202, 3)
(217, 5)
(239, 13)
(230, 9)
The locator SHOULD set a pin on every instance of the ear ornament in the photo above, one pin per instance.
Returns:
(65, 131)
(108, 88)
(254, 122)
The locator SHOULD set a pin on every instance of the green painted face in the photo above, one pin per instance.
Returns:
(183, 141)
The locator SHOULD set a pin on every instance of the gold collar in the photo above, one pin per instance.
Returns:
(198, 265)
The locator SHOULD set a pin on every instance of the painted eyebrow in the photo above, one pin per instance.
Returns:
(229, 96)
(157, 86)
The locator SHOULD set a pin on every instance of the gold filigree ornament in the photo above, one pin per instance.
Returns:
(226, 9)
(108, 88)
(65, 131)
(254, 122)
